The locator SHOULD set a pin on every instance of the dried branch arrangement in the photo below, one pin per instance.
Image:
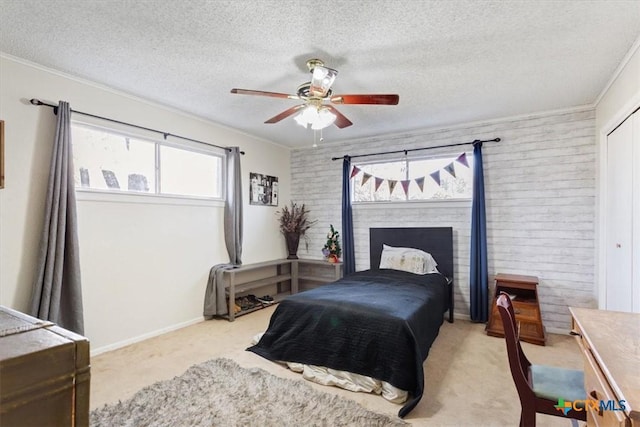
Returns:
(294, 219)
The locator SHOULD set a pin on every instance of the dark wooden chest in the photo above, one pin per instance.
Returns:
(44, 373)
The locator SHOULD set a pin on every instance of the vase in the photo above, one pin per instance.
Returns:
(333, 258)
(292, 240)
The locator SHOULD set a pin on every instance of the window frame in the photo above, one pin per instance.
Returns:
(449, 202)
(124, 195)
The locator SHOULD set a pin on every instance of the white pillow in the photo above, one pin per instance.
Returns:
(407, 259)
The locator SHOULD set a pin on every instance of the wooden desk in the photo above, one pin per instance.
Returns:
(610, 342)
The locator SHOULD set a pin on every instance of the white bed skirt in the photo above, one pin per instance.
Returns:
(346, 380)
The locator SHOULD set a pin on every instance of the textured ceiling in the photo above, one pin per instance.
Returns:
(450, 61)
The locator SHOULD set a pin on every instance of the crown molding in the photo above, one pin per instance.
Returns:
(619, 70)
(466, 125)
(132, 97)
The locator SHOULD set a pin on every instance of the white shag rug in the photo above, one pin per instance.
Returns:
(220, 392)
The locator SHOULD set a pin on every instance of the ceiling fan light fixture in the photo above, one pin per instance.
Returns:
(315, 117)
(321, 80)
(325, 119)
(299, 118)
(309, 115)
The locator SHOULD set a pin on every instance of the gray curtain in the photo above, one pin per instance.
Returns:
(214, 297)
(57, 292)
(233, 207)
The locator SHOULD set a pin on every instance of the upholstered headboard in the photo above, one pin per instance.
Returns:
(438, 241)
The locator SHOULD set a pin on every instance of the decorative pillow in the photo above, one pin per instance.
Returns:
(407, 259)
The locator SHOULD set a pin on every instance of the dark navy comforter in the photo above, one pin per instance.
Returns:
(378, 323)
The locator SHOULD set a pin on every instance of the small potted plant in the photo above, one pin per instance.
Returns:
(331, 249)
(294, 222)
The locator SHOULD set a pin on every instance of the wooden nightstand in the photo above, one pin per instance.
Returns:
(523, 291)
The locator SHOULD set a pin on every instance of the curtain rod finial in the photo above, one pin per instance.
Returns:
(35, 101)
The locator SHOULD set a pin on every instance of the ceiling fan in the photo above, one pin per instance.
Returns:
(315, 112)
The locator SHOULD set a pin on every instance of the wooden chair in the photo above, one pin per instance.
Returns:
(541, 389)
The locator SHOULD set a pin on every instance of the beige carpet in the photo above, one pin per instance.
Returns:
(467, 379)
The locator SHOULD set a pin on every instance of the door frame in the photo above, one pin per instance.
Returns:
(601, 179)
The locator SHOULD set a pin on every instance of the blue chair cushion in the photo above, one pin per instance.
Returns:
(554, 383)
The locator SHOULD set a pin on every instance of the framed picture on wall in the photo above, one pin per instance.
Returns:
(263, 189)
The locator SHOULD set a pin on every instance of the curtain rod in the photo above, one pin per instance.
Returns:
(477, 141)
(35, 101)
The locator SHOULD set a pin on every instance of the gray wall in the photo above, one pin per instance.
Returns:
(540, 197)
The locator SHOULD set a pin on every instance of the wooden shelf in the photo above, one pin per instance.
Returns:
(315, 272)
(246, 287)
(276, 299)
(242, 280)
(313, 278)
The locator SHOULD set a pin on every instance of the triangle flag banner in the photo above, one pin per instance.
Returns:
(365, 178)
(378, 182)
(462, 159)
(405, 186)
(354, 171)
(420, 182)
(392, 185)
(436, 177)
(451, 169)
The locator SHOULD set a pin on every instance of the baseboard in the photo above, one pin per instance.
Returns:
(558, 331)
(143, 337)
(461, 316)
(120, 344)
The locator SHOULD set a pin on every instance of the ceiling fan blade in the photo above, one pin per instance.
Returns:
(286, 113)
(341, 120)
(366, 99)
(263, 93)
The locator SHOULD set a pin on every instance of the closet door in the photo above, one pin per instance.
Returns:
(618, 240)
(635, 213)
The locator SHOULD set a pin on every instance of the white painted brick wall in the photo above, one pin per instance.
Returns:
(540, 202)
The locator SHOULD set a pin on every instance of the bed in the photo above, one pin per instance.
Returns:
(377, 323)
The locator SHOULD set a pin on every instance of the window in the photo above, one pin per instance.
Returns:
(412, 172)
(111, 161)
